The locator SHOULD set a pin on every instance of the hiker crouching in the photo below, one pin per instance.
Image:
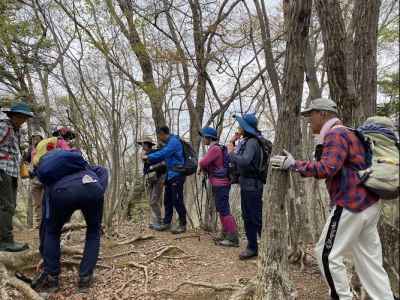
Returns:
(215, 164)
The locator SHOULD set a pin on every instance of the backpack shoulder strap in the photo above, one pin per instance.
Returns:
(261, 147)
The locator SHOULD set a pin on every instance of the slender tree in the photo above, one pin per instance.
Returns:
(272, 277)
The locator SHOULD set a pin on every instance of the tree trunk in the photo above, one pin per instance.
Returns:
(272, 277)
(267, 46)
(366, 17)
(340, 79)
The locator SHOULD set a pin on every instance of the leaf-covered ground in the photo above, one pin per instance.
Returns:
(158, 266)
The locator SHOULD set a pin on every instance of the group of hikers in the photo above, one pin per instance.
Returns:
(62, 182)
(244, 151)
(341, 155)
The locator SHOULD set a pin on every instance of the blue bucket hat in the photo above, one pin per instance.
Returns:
(248, 123)
(209, 132)
(20, 108)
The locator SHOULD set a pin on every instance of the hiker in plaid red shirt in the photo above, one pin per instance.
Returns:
(352, 224)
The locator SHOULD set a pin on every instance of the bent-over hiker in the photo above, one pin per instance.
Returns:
(70, 184)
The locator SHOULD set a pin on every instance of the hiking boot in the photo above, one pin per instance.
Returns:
(247, 254)
(231, 240)
(46, 283)
(163, 227)
(220, 237)
(13, 246)
(179, 229)
(85, 282)
(155, 226)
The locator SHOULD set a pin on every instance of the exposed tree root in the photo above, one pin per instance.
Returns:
(71, 251)
(165, 250)
(145, 271)
(73, 227)
(21, 286)
(155, 249)
(77, 263)
(215, 287)
(245, 293)
(125, 285)
(120, 254)
(135, 239)
(179, 257)
(299, 255)
(19, 260)
(198, 236)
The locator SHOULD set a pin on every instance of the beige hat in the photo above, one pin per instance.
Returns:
(146, 139)
(38, 133)
(320, 104)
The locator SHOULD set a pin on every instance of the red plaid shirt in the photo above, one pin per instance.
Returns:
(342, 155)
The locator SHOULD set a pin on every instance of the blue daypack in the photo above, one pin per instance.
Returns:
(57, 164)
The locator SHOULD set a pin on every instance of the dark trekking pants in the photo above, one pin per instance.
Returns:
(221, 198)
(8, 202)
(251, 202)
(60, 203)
(173, 198)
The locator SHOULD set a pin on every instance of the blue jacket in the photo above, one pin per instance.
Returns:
(173, 155)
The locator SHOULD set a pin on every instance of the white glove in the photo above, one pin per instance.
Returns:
(283, 162)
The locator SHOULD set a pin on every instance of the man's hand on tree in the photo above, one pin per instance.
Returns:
(283, 162)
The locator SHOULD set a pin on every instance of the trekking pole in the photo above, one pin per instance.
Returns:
(197, 201)
(204, 188)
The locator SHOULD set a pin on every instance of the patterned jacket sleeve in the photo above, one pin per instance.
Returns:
(332, 159)
(3, 131)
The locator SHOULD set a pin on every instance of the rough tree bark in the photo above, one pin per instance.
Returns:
(366, 17)
(340, 78)
(352, 73)
(272, 276)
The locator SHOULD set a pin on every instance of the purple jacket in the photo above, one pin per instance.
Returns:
(212, 161)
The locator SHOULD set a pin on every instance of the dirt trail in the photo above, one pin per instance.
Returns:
(167, 261)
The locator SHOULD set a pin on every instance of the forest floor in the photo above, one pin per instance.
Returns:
(157, 266)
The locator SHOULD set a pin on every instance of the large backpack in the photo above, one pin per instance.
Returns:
(57, 164)
(190, 165)
(43, 147)
(266, 147)
(382, 156)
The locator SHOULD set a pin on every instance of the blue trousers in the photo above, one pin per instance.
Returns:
(251, 202)
(173, 198)
(221, 198)
(60, 202)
